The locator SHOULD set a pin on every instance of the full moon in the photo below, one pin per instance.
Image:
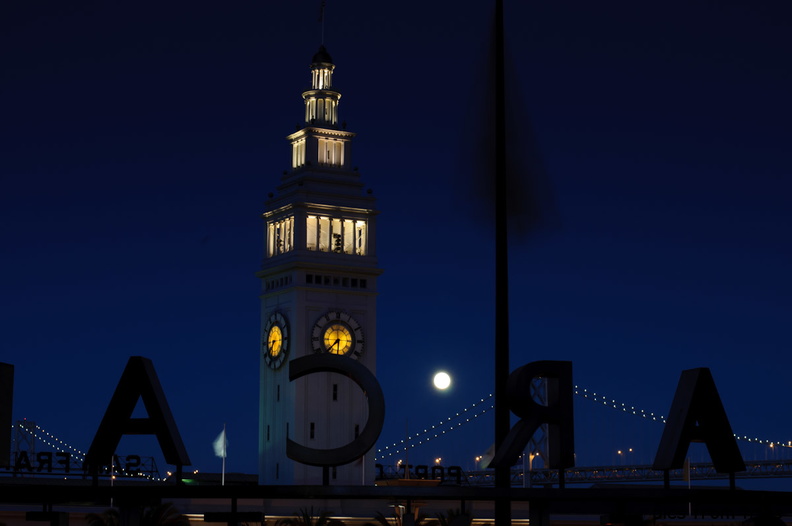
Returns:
(442, 380)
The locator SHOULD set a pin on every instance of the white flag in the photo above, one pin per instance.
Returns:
(486, 458)
(220, 444)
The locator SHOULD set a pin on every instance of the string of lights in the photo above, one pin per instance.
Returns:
(613, 404)
(50, 440)
(422, 437)
(59, 445)
(616, 405)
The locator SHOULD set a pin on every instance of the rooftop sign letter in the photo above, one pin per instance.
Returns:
(697, 415)
(558, 414)
(139, 380)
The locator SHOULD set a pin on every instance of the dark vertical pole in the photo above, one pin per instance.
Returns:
(538, 515)
(6, 413)
(502, 475)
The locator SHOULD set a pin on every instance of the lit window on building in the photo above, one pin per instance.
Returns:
(342, 236)
(298, 153)
(321, 110)
(331, 152)
(322, 78)
(280, 236)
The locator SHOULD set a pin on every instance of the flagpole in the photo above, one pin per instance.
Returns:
(502, 472)
(686, 473)
(112, 479)
(225, 451)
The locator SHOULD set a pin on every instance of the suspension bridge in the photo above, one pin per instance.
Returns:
(391, 457)
(62, 459)
(531, 470)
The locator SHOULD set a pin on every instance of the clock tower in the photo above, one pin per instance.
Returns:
(318, 294)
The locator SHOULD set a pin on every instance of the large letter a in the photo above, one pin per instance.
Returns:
(697, 415)
(139, 380)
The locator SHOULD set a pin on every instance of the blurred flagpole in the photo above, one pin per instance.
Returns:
(220, 447)
(502, 473)
(686, 477)
(507, 180)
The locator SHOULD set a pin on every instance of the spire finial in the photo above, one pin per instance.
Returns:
(321, 18)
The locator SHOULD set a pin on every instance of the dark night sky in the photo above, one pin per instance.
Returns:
(139, 142)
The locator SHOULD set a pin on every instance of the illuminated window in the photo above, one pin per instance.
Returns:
(310, 109)
(298, 153)
(321, 111)
(280, 236)
(331, 152)
(342, 236)
(330, 111)
(360, 238)
(322, 78)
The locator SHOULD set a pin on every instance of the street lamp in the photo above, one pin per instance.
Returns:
(530, 468)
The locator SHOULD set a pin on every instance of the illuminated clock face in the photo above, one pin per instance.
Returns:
(275, 343)
(337, 339)
(338, 333)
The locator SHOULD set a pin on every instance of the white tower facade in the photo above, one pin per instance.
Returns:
(319, 289)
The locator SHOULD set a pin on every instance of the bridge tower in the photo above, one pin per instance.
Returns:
(24, 439)
(318, 295)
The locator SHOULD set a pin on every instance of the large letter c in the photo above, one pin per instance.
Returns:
(358, 373)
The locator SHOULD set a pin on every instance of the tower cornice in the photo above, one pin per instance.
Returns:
(318, 207)
(328, 132)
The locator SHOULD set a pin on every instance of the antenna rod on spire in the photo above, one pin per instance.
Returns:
(321, 18)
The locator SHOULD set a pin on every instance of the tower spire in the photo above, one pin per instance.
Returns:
(321, 142)
(321, 101)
